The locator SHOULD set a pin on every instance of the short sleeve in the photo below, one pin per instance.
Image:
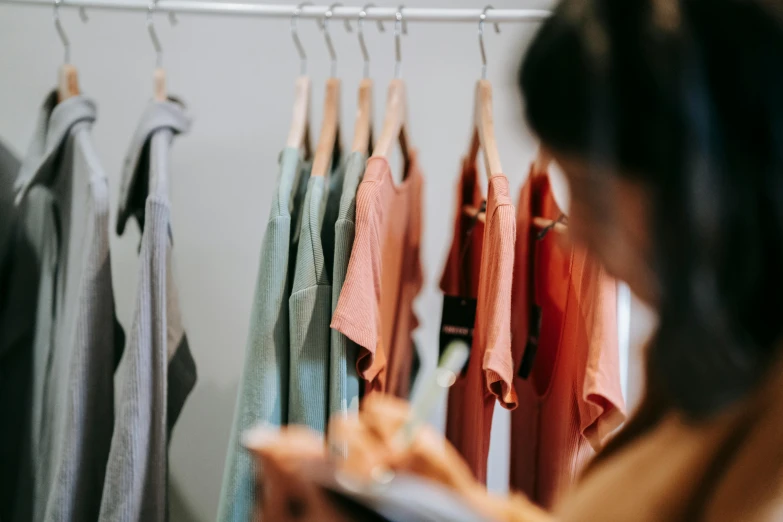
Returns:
(358, 314)
(601, 404)
(498, 261)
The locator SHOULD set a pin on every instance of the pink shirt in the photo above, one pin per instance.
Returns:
(375, 308)
(484, 273)
(572, 399)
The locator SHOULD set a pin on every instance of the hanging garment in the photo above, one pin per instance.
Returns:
(19, 274)
(564, 303)
(310, 304)
(343, 377)
(77, 340)
(479, 266)
(159, 369)
(375, 309)
(263, 391)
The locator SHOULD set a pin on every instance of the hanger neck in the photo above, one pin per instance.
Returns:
(362, 137)
(67, 82)
(484, 130)
(299, 132)
(329, 138)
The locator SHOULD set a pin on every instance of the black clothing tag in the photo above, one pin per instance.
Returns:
(531, 347)
(457, 321)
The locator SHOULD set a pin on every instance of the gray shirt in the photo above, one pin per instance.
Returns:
(263, 392)
(159, 369)
(343, 377)
(310, 304)
(77, 341)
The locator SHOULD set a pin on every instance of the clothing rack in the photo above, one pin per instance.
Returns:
(410, 14)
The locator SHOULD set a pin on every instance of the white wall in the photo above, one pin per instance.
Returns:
(237, 77)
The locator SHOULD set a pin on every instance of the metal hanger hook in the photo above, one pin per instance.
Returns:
(61, 32)
(295, 37)
(400, 28)
(360, 32)
(154, 34)
(482, 19)
(328, 37)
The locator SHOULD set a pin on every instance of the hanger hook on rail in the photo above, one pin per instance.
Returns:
(362, 44)
(482, 19)
(400, 28)
(328, 37)
(61, 31)
(153, 5)
(295, 36)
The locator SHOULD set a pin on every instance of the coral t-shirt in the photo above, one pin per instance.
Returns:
(572, 399)
(375, 308)
(480, 266)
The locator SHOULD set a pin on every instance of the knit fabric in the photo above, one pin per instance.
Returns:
(572, 399)
(310, 304)
(480, 266)
(375, 308)
(159, 369)
(77, 341)
(263, 391)
(343, 377)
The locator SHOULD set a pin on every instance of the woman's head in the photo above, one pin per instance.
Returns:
(667, 119)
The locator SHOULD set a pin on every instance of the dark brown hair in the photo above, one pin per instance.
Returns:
(685, 97)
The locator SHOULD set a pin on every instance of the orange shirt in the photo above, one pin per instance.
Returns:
(375, 308)
(572, 399)
(480, 265)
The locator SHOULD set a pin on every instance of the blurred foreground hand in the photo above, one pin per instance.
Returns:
(367, 447)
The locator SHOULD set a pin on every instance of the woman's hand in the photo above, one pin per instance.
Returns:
(371, 445)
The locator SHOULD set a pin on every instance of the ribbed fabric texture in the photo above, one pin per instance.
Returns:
(76, 339)
(375, 308)
(573, 399)
(159, 369)
(480, 265)
(310, 305)
(343, 377)
(263, 392)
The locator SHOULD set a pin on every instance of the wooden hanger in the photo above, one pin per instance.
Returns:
(299, 133)
(159, 92)
(67, 82)
(362, 130)
(329, 138)
(67, 76)
(395, 127)
(483, 137)
(395, 120)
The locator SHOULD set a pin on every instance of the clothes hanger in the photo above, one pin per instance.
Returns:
(159, 92)
(329, 138)
(362, 130)
(483, 137)
(483, 134)
(299, 133)
(395, 124)
(67, 76)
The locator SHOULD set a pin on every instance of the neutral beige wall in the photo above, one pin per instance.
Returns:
(237, 77)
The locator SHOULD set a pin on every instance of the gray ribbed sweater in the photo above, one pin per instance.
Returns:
(76, 338)
(159, 369)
